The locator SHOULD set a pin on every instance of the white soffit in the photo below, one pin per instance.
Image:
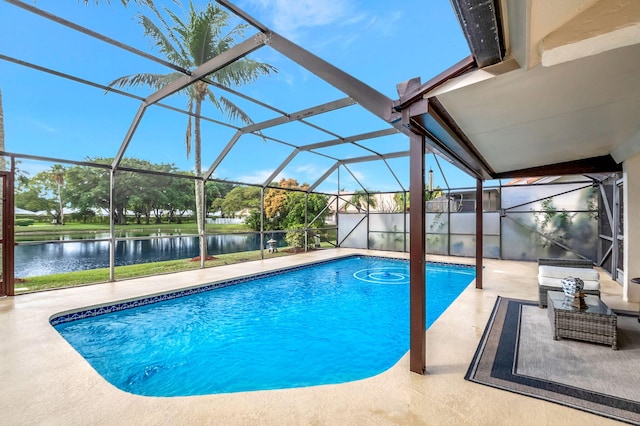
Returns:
(575, 110)
(607, 25)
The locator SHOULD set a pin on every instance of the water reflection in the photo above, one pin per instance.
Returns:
(46, 259)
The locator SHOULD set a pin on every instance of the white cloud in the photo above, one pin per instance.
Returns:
(388, 25)
(43, 126)
(309, 169)
(258, 176)
(287, 17)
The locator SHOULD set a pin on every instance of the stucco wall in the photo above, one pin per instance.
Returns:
(632, 227)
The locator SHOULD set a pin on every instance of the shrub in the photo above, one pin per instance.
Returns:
(24, 222)
(295, 237)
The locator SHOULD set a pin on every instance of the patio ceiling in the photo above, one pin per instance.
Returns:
(564, 99)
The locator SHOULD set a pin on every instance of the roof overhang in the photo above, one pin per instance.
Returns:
(565, 99)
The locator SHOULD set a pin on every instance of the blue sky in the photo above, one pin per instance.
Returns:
(379, 42)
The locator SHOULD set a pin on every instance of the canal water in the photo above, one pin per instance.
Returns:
(50, 258)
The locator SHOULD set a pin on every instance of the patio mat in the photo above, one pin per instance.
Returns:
(517, 353)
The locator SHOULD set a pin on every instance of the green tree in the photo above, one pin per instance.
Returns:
(276, 203)
(87, 188)
(402, 201)
(240, 198)
(190, 44)
(315, 206)
(150, 193)
(43, 192)
(179, 199)
(216, 191)
(285, 209)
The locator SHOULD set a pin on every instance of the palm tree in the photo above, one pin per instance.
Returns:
(57, 173)
(190, 44)
(361, 199)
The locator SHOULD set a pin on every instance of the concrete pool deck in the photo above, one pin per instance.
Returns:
(45, 381)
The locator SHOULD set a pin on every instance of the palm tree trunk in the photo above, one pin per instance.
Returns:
(199, 184)
(60, 206)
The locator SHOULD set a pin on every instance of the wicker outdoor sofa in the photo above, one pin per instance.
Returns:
(552, 271)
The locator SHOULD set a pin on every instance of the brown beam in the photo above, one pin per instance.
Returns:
(479, 234)
(417, 253)
(446, 138)
(8, 240)
(466, 149)
(411, 96)
(602, 164)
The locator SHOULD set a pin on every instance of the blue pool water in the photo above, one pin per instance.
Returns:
(334, 322)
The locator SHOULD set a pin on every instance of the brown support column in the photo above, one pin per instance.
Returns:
(8, 240)
(417, 252)
(479, 233)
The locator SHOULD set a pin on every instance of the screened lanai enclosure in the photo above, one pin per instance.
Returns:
(322, 163)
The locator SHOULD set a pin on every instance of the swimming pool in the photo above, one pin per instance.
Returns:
(333, 322)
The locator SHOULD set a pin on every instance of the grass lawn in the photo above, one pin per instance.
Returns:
(104, 227)
(44, 231)
(93, 276)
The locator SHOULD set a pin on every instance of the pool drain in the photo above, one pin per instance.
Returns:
(383, 275)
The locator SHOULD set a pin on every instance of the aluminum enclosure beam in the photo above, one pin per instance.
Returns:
(127, 138)
(297, 116)
(91, 33)
(214, 64)
(357, 160)
(281, 167)
(369, 98)
(350, 139)
(399, 154)
(220, 61)
(366, 96)
(323, 177)
(223, 154)
(361, 186)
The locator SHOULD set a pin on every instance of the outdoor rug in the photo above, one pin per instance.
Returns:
(517, 353)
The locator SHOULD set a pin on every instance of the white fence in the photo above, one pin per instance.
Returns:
(226, 221)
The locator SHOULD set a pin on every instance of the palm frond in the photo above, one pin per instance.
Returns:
(175, 54)
(179, 33)
(155, 81)
(214, 101)
(168, 30)
(234, 112)
(236, 32)
(242, 71)
(203, 31)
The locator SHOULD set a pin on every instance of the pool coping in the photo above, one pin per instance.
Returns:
(36, 356)
(110, 307)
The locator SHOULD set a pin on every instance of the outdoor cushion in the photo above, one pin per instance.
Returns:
(560, 272)
(557, 282)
